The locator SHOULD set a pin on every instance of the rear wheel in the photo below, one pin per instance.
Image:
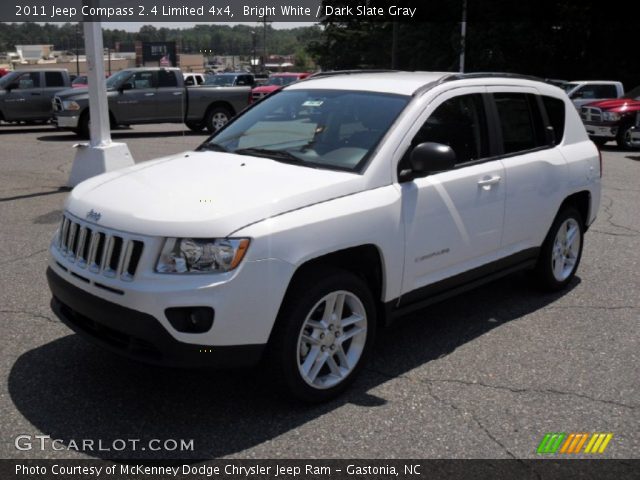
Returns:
(323, 335)
(599, 141)
(84, 126)
(217, 118)
(561, 251)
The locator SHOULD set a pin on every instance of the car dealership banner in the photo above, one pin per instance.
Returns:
(316, 469)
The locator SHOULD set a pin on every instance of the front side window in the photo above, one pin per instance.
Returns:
(142, 80)
(332, 129)
(460, 123)
(24, 81)
(520, 121)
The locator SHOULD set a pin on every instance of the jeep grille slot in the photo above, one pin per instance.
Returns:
(99, 250)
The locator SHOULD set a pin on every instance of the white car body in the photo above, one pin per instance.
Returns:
(425, 231)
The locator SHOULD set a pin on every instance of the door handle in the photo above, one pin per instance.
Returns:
(35, 93)
(177, 93)
(486, 182)
(149, 94)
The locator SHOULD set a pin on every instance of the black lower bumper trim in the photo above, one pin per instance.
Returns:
(136, 334)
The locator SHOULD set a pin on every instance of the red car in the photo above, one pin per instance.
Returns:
(276, 82)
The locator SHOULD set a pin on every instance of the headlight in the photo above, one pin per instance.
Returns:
(201, 255)
(70, 105)
(610, 116)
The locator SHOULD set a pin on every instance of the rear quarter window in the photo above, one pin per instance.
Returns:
(556, 113)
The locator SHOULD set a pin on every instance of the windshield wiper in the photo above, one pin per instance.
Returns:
(277, 155)
(214, 147)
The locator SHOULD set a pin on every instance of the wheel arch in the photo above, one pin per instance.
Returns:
(365, 261)
(581, 201)
(220, 103)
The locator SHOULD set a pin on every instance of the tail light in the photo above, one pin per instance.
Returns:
(600, 159)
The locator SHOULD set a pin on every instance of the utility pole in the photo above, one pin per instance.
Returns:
(253, 55)
(77, 57)
(463, 35)
(264, 43)
(394, 46)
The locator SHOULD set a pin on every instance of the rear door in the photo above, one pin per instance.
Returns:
(535, 170)
(453, 219)
(53, 83)
(170, 97)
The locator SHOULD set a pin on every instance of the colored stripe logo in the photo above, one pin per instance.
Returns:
(573, 443)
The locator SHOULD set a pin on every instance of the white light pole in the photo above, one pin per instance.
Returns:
(100, 155)
(463, 34)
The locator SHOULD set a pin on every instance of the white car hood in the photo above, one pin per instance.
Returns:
(204, 194)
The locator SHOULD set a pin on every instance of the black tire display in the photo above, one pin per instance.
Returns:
(561, 251)
(323, 335)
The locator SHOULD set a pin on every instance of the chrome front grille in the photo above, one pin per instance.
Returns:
(99, 250)
(591, 114)
(57, 104)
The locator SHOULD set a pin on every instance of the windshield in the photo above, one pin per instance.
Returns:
(117, 78)
(279, 81)
(569, 86)
(8, 78)
(635, 93)
(334, 129)
(220, 80)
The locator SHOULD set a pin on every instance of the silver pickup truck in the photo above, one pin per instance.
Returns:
(25, 95)
(152, 95)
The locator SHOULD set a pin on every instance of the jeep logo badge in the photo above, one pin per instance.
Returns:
(93, 215)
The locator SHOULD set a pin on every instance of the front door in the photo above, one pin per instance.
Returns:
(453, 219)
(137, 102)
(23, 101)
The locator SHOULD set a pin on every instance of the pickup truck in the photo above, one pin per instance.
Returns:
(582, 92)
(635, 133)
(152, 95)
(25, 95)
(612, 119)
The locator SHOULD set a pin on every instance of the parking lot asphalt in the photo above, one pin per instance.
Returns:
(485, 375)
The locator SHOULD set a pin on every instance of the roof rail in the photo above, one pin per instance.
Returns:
(462, 76)
(331, 73)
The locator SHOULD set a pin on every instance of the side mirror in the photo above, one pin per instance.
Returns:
(126, 86)
(577, 94)
(12, 86)
(427, 158)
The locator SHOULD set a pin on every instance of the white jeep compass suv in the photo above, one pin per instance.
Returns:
(323, 212)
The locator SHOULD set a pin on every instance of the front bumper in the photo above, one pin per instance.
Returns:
(66, 121)
(138, 335)
(601, 131)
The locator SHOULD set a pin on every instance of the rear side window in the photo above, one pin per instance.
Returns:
(520, 121)
(168, 79)
(459, 122)
(53, 79)
(556, 113)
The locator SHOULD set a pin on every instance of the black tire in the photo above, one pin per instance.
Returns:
(599, 141)
(623, 139)
(305, 299)
(84, 126)
(550, 257)
(195, 126)
(217, 117)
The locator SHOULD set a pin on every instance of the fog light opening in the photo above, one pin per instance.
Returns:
(190, 319)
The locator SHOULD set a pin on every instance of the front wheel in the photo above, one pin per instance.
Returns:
(323, 335)
(561, 251)
(623, 139)
(217, 118)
